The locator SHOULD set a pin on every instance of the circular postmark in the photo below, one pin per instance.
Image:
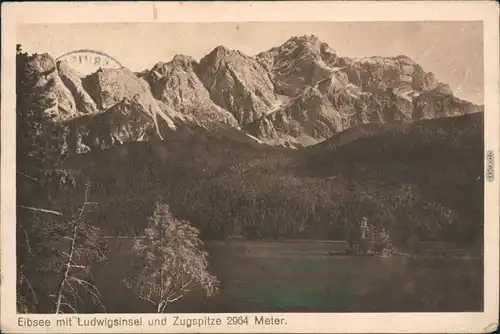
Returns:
(89, 61)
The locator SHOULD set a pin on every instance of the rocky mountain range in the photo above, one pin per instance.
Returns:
(293, 95)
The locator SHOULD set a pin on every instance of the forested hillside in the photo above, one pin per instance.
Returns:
(423, 178)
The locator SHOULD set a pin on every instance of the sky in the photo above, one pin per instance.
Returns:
(453, 51)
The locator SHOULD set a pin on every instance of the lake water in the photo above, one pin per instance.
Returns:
(300, 276)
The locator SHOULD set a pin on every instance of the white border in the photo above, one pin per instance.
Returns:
(78, 12)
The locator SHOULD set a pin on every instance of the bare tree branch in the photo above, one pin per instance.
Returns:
(69, 277)
(68, 305)
(145, 298)
(66, 273)
(27, 239)
(29, 177)
(90, 288)
(31, 289)
(40, 210)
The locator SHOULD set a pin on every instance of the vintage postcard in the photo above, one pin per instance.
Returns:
(250, 167)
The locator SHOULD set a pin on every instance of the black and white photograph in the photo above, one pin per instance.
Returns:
(250, 167)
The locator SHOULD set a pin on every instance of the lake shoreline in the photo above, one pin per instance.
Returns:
(277, 276)
(437, 249)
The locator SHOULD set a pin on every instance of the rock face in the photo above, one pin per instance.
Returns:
(238, 84)
(48, 81)
(319, 111)
(125, 121)
(73, 81)
(330, 106)
(331, 93)
(298, 63)
(110, 86)
(437, 103)
(178, 86)
(107, 108)
(375, 74)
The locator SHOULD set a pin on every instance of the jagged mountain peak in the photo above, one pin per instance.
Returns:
(313, 44)
(376, 74)
(42, 63)
(221, 49)
(179, 61)
(304, 39)
(237, 83)
(176, 83)
(297, 63)
(108, 86)
(299, 88)
(41, 70)
(405, 58)
(301, 46)
(183, 61)
(380, 60)
(221, 52)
